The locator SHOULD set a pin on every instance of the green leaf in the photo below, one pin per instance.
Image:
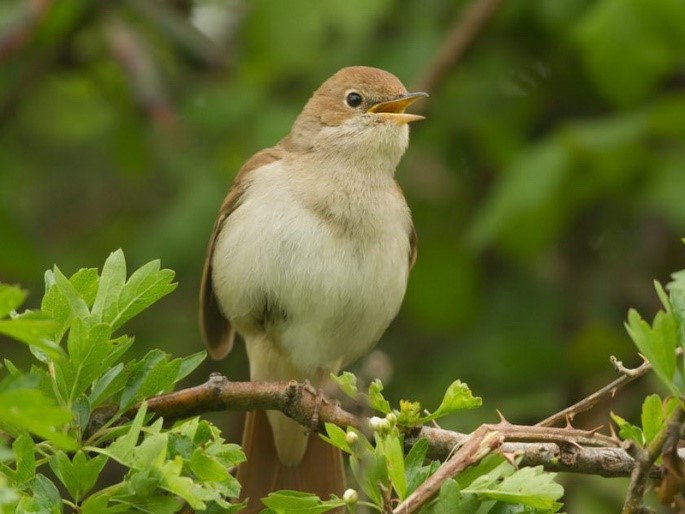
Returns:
(89, 348)
(112, 279)
(153, 375)
(147, 285)
(652, 417)
(57, 305)
(376, 399)
(25, 457)
(527, 486)
(416, 472)
(112, 382)
(676, 289)
(80, 475)
(347, 382)
(32, 410)
(294, 502)
(449, 500)
(394, 455)
(337, 437)
(34, 329)
(11, 297)
(77, 304)
(457, 397)
(657, 343)
(121, 450)
(190, 364)
(45, 500)
(205, 467)
(628, 431)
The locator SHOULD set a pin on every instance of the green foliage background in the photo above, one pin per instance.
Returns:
(547, 183)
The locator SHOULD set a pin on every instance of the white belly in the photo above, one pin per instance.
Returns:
(338, 291)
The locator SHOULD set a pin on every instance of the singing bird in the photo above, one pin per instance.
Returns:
(308, 262)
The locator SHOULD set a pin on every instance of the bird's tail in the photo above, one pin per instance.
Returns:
(320, 471)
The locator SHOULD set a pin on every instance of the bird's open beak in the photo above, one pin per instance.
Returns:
(393, 110)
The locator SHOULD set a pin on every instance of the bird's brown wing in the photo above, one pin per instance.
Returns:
(216, 329)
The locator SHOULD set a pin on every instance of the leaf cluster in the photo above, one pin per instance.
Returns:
(48, 413)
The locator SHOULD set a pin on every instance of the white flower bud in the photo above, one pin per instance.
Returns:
(351, 438)
(375, 423)
(391, 417)
(350, 497)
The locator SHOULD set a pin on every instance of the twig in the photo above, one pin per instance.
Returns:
(463, 32)
(556, 449)
(476, 446)
(645, 460)
(627, 376)
(219, 394)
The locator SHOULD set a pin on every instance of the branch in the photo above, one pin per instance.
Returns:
(556, 449)
(668, 436)
(476, 446)
(628, 375)
(462, 34)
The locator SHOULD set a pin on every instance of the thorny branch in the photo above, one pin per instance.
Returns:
(480, 443)
(669, 435)
(627, 376)
(556, 449)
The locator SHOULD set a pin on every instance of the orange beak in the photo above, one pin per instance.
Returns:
(393, 110)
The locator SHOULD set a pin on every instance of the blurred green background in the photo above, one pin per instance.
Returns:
(547, 182)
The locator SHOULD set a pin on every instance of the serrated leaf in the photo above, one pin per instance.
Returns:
(652, 417)
(34, 329)
(527, 486)
(376, 399)
(347, 383)
(56, 305)
(112, 280)
(11, 298)
(122, 449)
(206, 468)
(145, 286)
(448, 500)
(336, 436)
(32, 410)
(45, 500)
(457, 397)
(657, 343)
(80, 475)
(151, 452)
(676, 289)
(294, 502)
(153, 375)
(77, 304)
(25, 459)
(89, 348)
(394, 455)
(107, 385)
(628, 431)
(190, 364)
(416, 473)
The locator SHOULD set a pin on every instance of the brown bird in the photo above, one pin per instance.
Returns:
(309, 260)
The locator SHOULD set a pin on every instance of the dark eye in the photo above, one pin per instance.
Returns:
(353, 99)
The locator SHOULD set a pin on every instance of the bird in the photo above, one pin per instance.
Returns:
(308, 261)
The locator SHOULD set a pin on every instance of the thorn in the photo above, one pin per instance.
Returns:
(577, 445)
(613, 435)
(594, 431)
(510, 457)
(502, 419)
(569, 418)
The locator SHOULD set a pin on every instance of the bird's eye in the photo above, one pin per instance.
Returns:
(353, 99)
